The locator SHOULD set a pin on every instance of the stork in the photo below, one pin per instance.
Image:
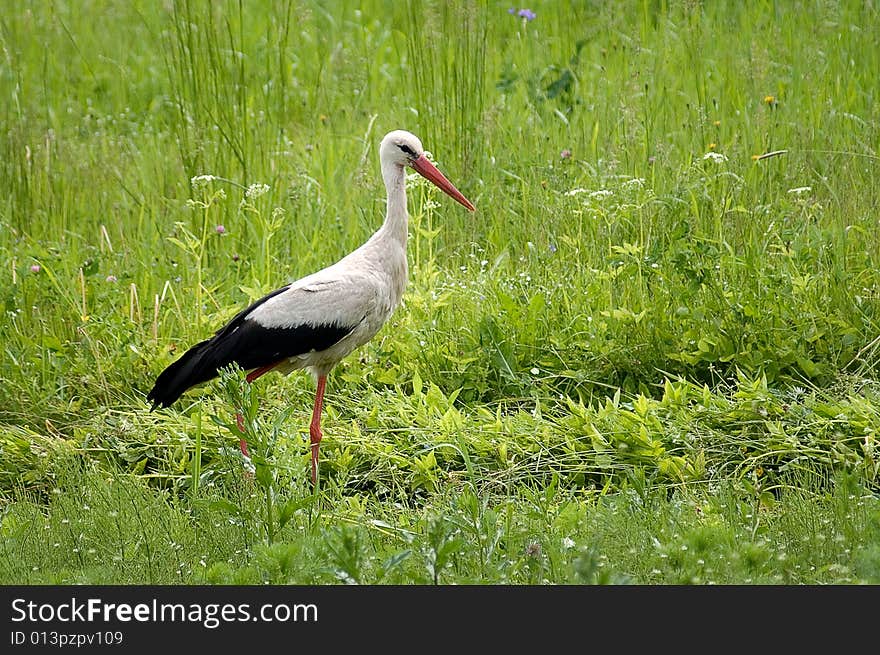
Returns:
(319, 319)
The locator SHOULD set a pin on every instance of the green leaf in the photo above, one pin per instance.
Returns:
(224, 506)
(290, 508)
(265, 475)
(395, 560)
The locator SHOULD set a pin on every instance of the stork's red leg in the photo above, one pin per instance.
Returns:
(257, 372)
(315, 426)
(242, 442)
(239, 419)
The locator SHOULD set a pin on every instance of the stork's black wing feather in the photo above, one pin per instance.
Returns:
(246, 343)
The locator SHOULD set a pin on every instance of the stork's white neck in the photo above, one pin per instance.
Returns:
(395, 187)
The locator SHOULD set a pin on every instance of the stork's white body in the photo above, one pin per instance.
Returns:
(319, 319)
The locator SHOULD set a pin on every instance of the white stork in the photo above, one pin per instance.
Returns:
(316, 321)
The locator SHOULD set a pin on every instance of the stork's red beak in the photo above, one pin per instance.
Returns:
(431, 173)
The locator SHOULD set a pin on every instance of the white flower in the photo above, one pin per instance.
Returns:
(202, 180)
(715, 157)
(636, 182)
(256, 190)
(568, 543)
(602, 193)
(801, 189)
(575, 192)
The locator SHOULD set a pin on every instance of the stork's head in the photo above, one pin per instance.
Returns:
(401, 148)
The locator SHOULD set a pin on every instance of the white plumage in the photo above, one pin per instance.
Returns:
(318, 320)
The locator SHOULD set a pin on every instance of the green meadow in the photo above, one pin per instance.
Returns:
(649, 357)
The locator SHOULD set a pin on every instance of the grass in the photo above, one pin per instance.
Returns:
(98, 528)
(649, 357)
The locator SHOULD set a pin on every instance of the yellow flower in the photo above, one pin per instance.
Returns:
(716, 123)
(770, 100)
(756, 157)
(712, 146)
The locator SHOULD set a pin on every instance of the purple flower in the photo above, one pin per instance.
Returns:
(511, 11)
(528, 14)
(220, 229)
(35, 268)
(112, 278)
(565, 154)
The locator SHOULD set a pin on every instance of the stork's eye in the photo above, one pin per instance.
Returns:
(409, 151)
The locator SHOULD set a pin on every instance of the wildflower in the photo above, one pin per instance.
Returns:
(235, 257)
(565, 154)
(220, 229)
(712, 146)
(201, 180)
(801, 189)
(112, 278)
(256, 190)
(769, 100)
(35, 268)
(552, 247)
(526, 14)
(756, 157)
(511, 11)
(715, 157)
(568, 543)
(716, 123)
(602, 193)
